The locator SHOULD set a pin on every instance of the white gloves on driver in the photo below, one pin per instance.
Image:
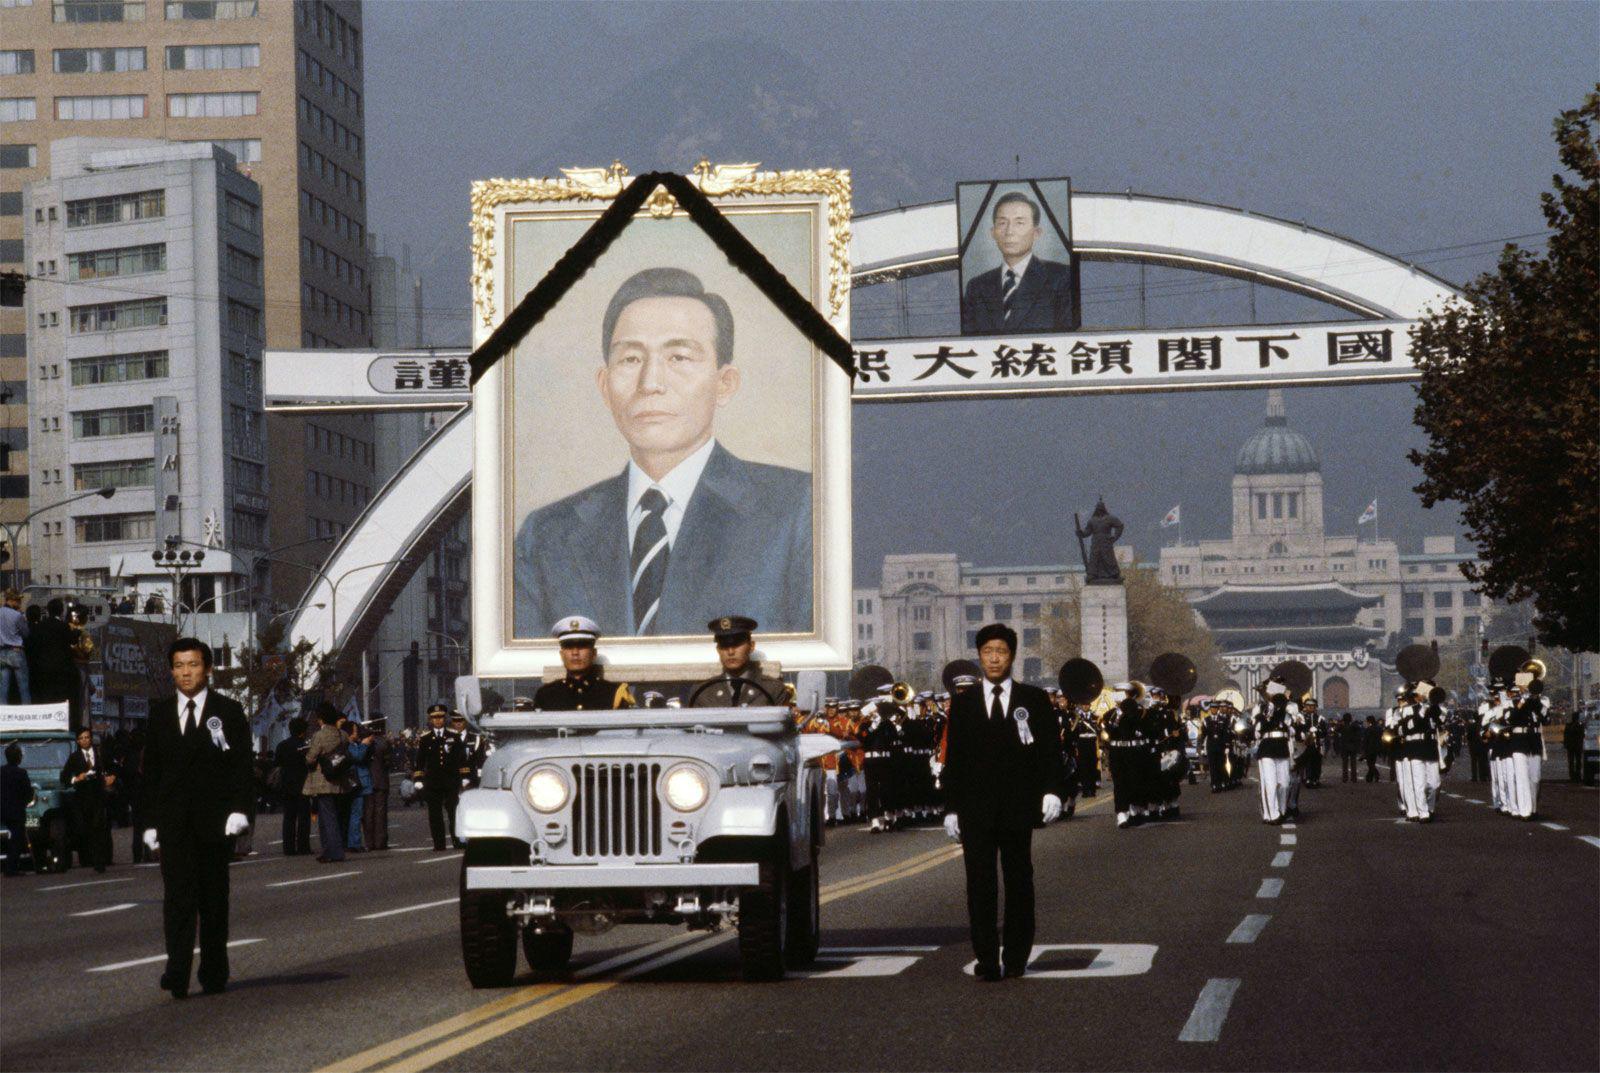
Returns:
(238, 823)
(150, 842)
(1052, 808)
(952, 826)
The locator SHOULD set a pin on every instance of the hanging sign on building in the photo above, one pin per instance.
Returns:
(311, 380)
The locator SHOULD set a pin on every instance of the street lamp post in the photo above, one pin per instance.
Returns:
(460, 649)
(333, 599)
(11, 531)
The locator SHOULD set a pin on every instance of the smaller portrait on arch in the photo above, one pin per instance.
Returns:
(1019, 274)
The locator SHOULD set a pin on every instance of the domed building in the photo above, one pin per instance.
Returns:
(1281, 588)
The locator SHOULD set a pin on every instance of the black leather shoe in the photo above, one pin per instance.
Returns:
(1011, 973)
(178, 988)
(213, 989)
(988, 974)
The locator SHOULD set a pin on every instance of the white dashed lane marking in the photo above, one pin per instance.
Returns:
(1288, 840)
(1553, 826)
(1282, 858)
(116, 965)
(1591, 839)
(315, 879)
(90, 883)
(1210, 1010)
(408, 909)
(1270, 888)
(436, 860)
(105, 909)
(1249, 928)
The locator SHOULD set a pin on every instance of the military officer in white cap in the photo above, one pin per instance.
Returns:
(584, 687)
(741, 684)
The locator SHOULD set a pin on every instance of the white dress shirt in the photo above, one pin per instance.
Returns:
(677, 486)
(199, 709)
(1020, 268)
(988, 695)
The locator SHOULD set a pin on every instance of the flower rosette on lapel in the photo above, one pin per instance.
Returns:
(214, 725)
(1024, 733)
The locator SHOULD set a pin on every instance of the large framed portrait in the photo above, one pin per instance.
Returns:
(664, 447)
(1019, 275)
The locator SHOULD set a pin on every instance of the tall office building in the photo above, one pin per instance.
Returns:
(144, 337)
(279, 84)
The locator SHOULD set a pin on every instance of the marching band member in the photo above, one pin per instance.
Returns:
(878, 740)
(1165, 731)
(1525, 724)
(828, 723)
(1498, 731)
(1271, 723)
(1215, 731)
(1124, 732)
(1418, 728)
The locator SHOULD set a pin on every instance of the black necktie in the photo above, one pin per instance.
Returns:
(1008, 290)
(997, 710)
(649, 560)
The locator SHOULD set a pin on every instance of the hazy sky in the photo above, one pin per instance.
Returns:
(1420, 129)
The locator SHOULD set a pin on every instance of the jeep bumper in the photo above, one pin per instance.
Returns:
(541, 877)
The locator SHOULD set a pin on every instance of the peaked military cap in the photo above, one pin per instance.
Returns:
(439, 709)
(732, 629)
(576, 629)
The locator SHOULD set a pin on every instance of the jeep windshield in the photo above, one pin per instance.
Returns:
(45, 755)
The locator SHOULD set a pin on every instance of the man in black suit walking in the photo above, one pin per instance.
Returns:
(1025, 293)
(89, 775)
(1001, 769)
(198, 784)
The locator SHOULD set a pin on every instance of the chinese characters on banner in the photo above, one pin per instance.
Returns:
(422, 374)
(1139, 359)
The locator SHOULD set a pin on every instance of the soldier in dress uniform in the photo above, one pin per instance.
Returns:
(438, 768)
(1525, 732)
(879, 740)
(1084, 736)
(1167, 739)
(1125, 740)
(1272, 725)
(1216, 730)
(732, 688)
(1497, 734)
(584, 687)
(475, 748)
(1418, 728)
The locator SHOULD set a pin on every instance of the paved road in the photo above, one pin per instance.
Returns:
(1349, 941)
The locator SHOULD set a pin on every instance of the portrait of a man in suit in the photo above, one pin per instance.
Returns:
(1025, 292)
(687, 528)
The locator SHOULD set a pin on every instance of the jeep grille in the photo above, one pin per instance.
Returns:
(615, 812)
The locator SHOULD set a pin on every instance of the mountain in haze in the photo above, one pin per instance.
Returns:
(731, 100)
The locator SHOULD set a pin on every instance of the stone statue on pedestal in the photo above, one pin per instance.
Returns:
(1100, 560)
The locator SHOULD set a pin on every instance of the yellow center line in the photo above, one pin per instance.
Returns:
(530, 1004)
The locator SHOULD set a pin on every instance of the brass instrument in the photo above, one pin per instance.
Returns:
(902, 693)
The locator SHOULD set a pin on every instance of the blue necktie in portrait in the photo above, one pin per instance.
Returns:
(1008, 290)
(649, 560)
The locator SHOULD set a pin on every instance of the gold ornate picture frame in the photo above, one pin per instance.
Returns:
(536, 432)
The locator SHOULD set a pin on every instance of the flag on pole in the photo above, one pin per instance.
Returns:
(1370, 514)
(1174, 516)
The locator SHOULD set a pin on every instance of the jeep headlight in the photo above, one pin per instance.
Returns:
(685, 788)
(547, 790)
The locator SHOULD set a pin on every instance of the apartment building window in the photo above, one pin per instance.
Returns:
(249, 528)
(249, 476)
(1261, 506)
(212, 105)
(1472, 624)
(18, 109)
(73, 61)
(123, 473)
(16, 61)
(1442, 626)
(246, 373)
(117, 209)
(1030, 612)
(97, 11)
(91, 579)
(244, 150)
(1471, 599)
(115, 316)
(119, 368)
(974, 612)
(245, 424)
(120, 106)
(117, 421)
(1002, 612)
(244, 318)
(213, 9)
(244, 267)
(19, 156)
(1414, 627)
(109, 528)
(244, 214)
(922, 642)
(1032, 668)
(1030, 637)
(124, 261)
(1444, 599)
(212, 57)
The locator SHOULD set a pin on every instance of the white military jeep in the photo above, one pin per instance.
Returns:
(694, 816)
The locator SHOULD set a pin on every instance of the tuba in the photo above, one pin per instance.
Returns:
(901, 693)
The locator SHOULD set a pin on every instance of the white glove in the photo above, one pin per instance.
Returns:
(238, 823)
(936, 767)
(1052, 808)
(952, 826)
(150, 841)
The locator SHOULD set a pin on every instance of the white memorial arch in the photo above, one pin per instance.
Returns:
(381, 552)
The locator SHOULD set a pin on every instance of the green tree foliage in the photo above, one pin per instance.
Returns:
(1508, 401)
